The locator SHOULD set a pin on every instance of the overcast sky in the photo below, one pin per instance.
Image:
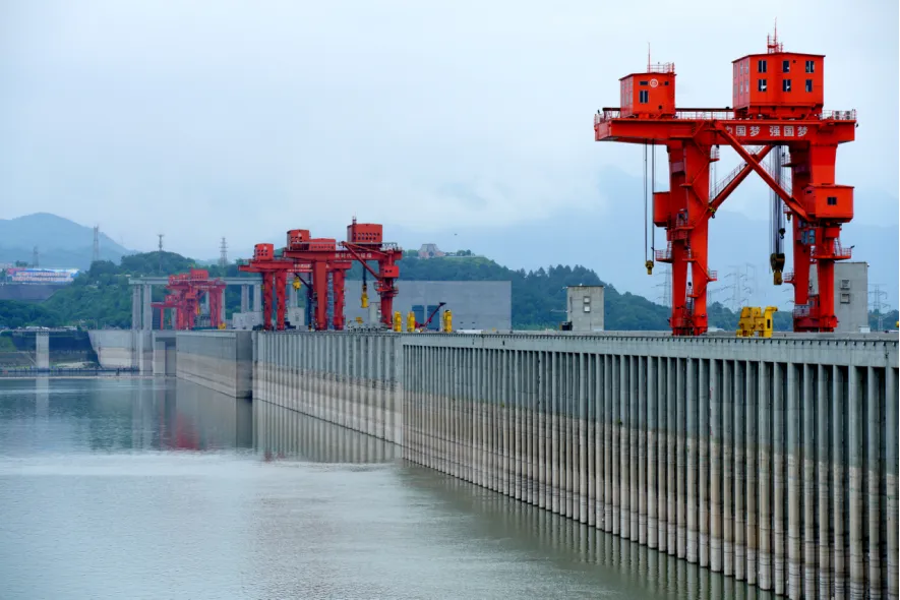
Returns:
(216, 118)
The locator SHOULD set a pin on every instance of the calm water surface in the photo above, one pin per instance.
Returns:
(141, 488)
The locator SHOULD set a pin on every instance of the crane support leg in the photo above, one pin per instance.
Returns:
(320, 291)
(337, 286)
(688, 235)
(280, 292)
(267, 283)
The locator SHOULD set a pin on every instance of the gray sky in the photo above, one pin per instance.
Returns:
(209, 118)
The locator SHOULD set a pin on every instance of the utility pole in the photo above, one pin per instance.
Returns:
(95, 255)
(876, 304)
(223, 254)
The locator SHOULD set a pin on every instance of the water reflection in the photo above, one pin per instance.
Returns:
(284, 433)
(514, 526)
(52, 415)
(261, 501)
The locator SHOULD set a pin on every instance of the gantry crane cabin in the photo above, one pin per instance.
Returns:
(777, 109)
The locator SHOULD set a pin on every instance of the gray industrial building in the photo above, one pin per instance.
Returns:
(851, 295)
(484, 305)
(585, 308)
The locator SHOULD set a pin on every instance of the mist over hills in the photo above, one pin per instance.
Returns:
(608, 238)
(61, 243)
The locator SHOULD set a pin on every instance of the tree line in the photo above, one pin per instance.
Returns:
(101, 297)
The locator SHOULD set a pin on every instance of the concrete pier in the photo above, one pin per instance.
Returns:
(42, 350)
(770, 461)
(219, 360)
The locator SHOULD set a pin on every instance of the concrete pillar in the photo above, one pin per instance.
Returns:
(838, 462)
(875, 504)
(245, 298)
(136, 313)
(810, 548)
(206, 303)
(715, 467)
(257, 297)
(159, 357)
(147, 308)
(42, 350)
(892, 459)
(292, 296)
(855, 432)
(764, 455)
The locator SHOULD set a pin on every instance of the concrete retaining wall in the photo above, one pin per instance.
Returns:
(114, 348)
(219, 360)
(773, 462)
(350, 379)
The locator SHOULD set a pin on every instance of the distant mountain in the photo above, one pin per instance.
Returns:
(61, 243)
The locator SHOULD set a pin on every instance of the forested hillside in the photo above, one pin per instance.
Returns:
(101, 297)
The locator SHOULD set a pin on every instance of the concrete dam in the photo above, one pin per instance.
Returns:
(771, 461)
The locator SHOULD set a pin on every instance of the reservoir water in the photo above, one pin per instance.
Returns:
(143, 488)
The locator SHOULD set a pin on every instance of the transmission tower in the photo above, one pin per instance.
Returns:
(35, 258)
(876, 305)
(95, 255)
(223, 254)
(743, 285)
(160, 235)
(665, 297)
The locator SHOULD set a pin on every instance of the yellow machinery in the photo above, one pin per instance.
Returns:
(296, 283)
(410, 322)
(398, 322)
(448, 321)
(364, 301)
(756, 320)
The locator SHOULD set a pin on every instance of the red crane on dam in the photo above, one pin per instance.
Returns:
(778, 109)
(186, 291)
(321, 259)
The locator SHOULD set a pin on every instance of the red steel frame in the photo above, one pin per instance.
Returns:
(185, 292)
(320, 257)
(689, 137)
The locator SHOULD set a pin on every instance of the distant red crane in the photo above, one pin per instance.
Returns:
(186, 290)
(778, 100)
(321, 257)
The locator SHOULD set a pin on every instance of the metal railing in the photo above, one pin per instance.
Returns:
(705, 115)
(839, 252)
(801, 310)
(839, 115)
(63, 371)
(661, 68)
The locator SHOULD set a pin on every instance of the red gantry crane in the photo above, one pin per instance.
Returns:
(186, 290)
(778, 106)
(274, 271)
(321, 258)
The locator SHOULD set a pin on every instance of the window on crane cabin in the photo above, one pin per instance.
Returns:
(644, 97)
(809, 85)
(761, 66)
(761, 85)
(785, 66)
(786, 85)
(810, 66)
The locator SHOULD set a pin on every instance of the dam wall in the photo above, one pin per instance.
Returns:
(772, 461)
(219, 360)
(349, 379)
